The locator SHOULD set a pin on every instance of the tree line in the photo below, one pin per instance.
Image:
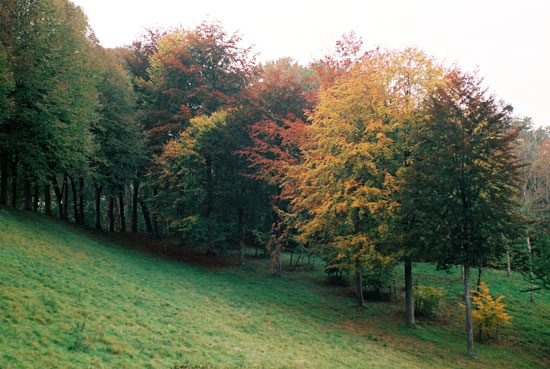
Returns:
(365, 158)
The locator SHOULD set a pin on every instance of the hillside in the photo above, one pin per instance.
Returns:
(75, 298)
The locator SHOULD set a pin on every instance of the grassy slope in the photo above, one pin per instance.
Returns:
(73, 299)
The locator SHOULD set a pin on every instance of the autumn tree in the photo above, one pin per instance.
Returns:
(344, 192)
(464, 178)
(274, 110)
(194, 72)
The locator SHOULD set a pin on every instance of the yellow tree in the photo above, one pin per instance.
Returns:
(343, 192)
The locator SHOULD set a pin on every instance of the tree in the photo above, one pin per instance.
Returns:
(534, 152)
(54, 98)
(465, 178)
(194, 72)
(7, 86)
(117, 135)
(344, 192)
(274, 111)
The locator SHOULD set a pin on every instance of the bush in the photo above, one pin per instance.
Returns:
(379, 276)
(427, 299)
(489, 314)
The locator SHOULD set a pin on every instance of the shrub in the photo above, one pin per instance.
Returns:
(489, 314)
(379, 276)
(427, 299)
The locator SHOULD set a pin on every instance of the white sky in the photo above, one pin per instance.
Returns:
(507, 40)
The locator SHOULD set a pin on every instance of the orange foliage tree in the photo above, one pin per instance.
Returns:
(343, 191)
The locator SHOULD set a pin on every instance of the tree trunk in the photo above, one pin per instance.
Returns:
(111, 205)
(98, 190)
(27, 187)
(278, 261)
(462, 271)
(467, 303)
(155, 219)
(47, 200)
(531, 293)
(146, 216)
(358, 285)
(121, 209)
(135, 207)
(241, 236)
(58, 195)
(409, 298)
(508, 267)
(81, 201)
(14, 184)
(66, 198)
(4, 172)
(478, 278)
(75, 201)
(35, 199)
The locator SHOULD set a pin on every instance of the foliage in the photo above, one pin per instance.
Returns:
(49, 47)
(465, 170)
(117, 137)
(193, 72)
(541, 262)
(427, 299)
(489, 314)
(342, 191)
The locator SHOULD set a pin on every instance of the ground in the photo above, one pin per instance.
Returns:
(75, 298)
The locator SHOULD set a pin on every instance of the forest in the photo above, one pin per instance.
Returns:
(364, 163)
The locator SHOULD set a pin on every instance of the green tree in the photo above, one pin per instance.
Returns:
(7, 85)
(54, 98)
(464, 178)
(117, 136)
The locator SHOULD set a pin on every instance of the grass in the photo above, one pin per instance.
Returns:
(74, 298)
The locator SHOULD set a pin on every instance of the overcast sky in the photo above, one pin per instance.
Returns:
(507, 40)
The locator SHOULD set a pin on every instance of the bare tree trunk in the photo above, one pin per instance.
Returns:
(47, 200)
(111, 205)
(121, 209)
(135, 207)
(241, 235)
(14, 184)
(66, 198)
(531, 293)
(409, 298)
(467, 303)
(75, 200)
(35, 199)
(58, 195)
(81, 201)
(462, 271)
(155, 219)
(508, 267)
(146, 216)
(98, 190)
(479, 270)
(27, 189)
(278, 261)
(358, 284)
(4, 172)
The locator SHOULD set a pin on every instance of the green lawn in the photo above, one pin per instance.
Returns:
(72, 298)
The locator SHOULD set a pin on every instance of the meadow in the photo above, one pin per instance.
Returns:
(72, 297)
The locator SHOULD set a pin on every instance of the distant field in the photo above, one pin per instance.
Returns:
(72, 298)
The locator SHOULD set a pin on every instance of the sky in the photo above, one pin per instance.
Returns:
(507, 41)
